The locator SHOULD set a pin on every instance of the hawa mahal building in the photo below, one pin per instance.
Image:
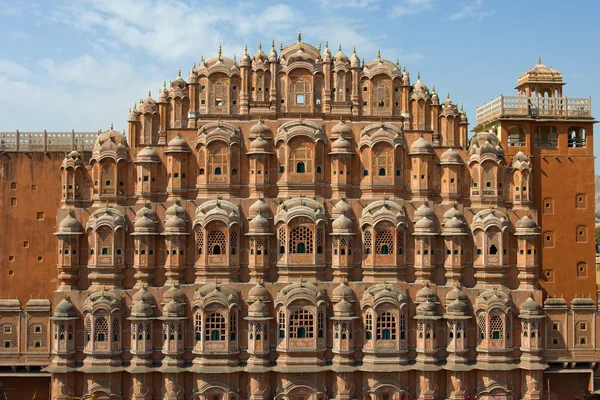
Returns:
(304, 225)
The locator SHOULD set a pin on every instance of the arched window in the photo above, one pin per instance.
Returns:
(301, 240)
(493, 249)
(217, 159)
(301, 156)
(385, 249)
(214, 329)
(301, 248)
(496, 327)
(381, 171)
(385, 242)
(301, 324)
(386, 326)
(382, 160)
(101, 329)
(300, 167)
(369, 326)
(216, 242)
(218, 171)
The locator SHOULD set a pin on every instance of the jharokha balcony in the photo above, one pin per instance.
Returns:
(535, 107)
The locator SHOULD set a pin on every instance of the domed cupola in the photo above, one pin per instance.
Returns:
(421, 146)
(419, 90)
(354, 60)
(163, 95)
(342, 225)
(146, 221)
(65, 310)
(245, 60)
(341, 146)
(340, 58)
(259, 207)
(341, 129)
(259, 292)
(260, 56)
(179, 82)
(260, 129)
(273, 52)
(326, 56)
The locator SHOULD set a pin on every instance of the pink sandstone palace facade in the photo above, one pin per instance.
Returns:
(303, 225)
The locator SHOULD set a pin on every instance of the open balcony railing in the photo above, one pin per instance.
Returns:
(522, 106)
(47, 141)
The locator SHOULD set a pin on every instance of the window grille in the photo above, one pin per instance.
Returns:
(367, 241)
(214, 329)
(301, 324)
(386, 326)
(216, 242)
(496, 327)
(101, 329)
(37, 336)
(233, 240)
(369, 326)
(301, 240)
(199, 239)
(384, 242)
(198, 325)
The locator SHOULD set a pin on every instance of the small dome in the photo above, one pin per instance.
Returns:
(420, 86)
(259, 292)
(450, 156)
(143, 295)
(173, 309)
(424, 211)
(530, 306)
(342, 207)
(526, 223)
(421, 146)
(163, 96)
(176, 210)
(175, 224)
(258, 309)
(342, 224)
(424, 225)
(341, 145)
(343, 308)
(343, 291)
(178, 145)
(260, 56)
(74, 155)
(142, 309)
(259, 145)
(340, 57)
(425, 294)
(144, 224)
(452, 212)
(427, 308)
(454, 223)
(341, 129)
(259, 207)
(354, 60)
(69, 225)
(487, 148)
(174, 293)
(458, 307)
(147, 154)
(65, 309)
(260, 129)
(259, 224)
(454, 294)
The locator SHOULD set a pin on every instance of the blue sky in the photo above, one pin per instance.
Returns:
(82, 64)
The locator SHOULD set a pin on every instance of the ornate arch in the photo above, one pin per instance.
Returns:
(297, 128)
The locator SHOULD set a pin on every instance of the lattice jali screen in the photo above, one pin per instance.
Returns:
(216, 242)
(198, 325)
(233, 240)
(386, 322)
(400, 242)
(281, 238)
(385, 242)
(101, 334)
(37, 337)
(301, 154)
(88, 330)
(301, 237)
(215, 326)
(368, 241)
(8, 336)
(320, 238)
(482, 325)
(382, 162)
(199, 239)
(116, 331)
(281, 324)
(496, 327)
(302, 324)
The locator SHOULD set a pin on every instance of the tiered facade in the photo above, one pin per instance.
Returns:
(301, 226)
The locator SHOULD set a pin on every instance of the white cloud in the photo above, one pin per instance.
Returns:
(476, 10)
(369, 5)
(412, 7)
(12, 69)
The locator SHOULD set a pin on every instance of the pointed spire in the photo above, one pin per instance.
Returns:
(397, 62)
(220, 51)
(260, 46)
(280, 47)
(111, 126)
(340, 47)
(539, 60)
(234, 59)
(327, 44)
(379, 55)
(363, 62)
(149, 93)
(448, 96)
(164, 84)
(194, 65)
(418, 74)
(246, 50)
(273, 44)
(319, 48)
(179, 73)
(404, 69)
(299, 37)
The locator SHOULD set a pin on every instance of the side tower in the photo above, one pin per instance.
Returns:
(551, 136)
